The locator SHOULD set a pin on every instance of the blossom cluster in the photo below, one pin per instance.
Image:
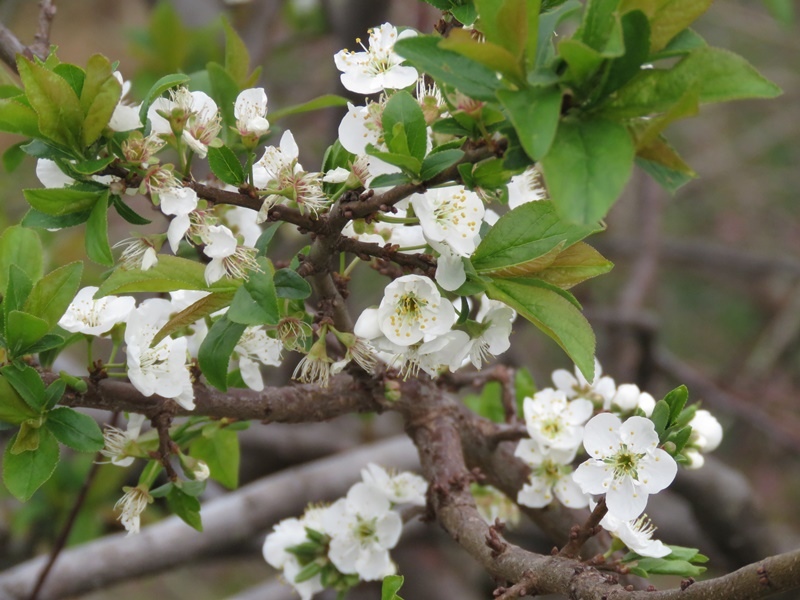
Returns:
(348, 541)
(627, 462)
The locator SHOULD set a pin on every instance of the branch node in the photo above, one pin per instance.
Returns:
(686, 583)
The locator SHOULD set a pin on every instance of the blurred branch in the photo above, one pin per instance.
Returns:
(10, 46)
(227, 522)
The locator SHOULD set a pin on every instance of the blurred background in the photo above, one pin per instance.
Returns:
(705, 292)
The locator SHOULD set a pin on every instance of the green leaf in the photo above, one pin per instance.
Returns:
(574, 265)
(669, 179)
(326, 101)
(216, 349)
(25, 472)
(19, 118)
(72, 74)
(667, 17)
(226, 166)
(28, 384)
(408, 164)
(76, 430)
(13, 157)
(38, 219)
(170, 274)
(90, 167)
(403, 110)
(587, 168)
(127, 213)
(583, 60)
(660, 417)
(683, 43)
(21, 247)
(256, 302)
(55, 102)
(435, 163)
(52, 294)
(597, 25)
(99, 97)
(237, 58)
(687, 554)
(13, 409)
(534, 7)
(220, 451)
(782, 10)
(23, 330)
(531, 231)
(204, 307)
(225, 90)
(54, 392)
(62, 201)
(715, 75)
(662, 163)
(290, 285)
(96, 241)
(466, 75)
(390, 586)
(492, 56)
(393, 179)
(676, 399)
(636, 36)
(524, 385)
(534, 112)
(158, 88)
(504, 23)
(548, 21)
(186, 507)
(556, 316)
(263, 241)
(666, 566)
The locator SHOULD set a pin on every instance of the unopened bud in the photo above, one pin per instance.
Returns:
(391, 391)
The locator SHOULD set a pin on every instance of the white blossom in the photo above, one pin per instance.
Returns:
(193, 114)
(160, 369)
(228, 258)
(378, 67)
(636, 534)
(450, 215)
(706, 431)
(255, 347)
(494, 319)
(399, 488)
(117, 443)
(413, 308)
(131, 506)
(626, 463)
(286, 534)
(599, 391)
(526, 187)
(554, 422)
(363, 530)
(125, 116)
(95, 317)
(250, 111)
(628, 398)
(138, 253)
(551, 473)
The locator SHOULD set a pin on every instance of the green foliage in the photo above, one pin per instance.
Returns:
(226, 166)
(186, 506)
(534, 112)
(76, 430)
(682, 562)
(390, 586)
(24, 472)
(216, 349)
(219, 448)
(22, 248)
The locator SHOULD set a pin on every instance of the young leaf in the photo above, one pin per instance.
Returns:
(216, 349)
(435, 163)
(587, 168)
(61, 201)
(25, 472)
(226, 166)
(290, 285)
(534, 112)
(391, 585)
(574, 265)
(660, 418)
(186, 507)
(18, 118)
(28, 384)
(99, 97)
(127, 213)
(237, 58)
(464, 74)
(13, 409)
(490, 55)
(505, 23)
(553, 314)
(256, 302)
(158, 88)
(76, 430)
(23, 330)
(597, 27)
(96, 242)
(21, 247)
(404, 111)
(667, 17)
(326, 101)
(676, 399)
(191, 314)
(524, 235)
(220, 451)
(34, 218)
(52, 294)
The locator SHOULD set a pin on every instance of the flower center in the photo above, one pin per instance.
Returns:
(625, 463)
(552, 427)
(366, 530)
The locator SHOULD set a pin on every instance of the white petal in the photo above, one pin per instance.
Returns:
(601, 436)
(570, 494)
(593, 477)
(657, 471)
(375, 565)
(625, 500)
(639, 434)
(388, 529)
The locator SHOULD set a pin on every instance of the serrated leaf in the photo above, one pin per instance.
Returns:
(534, 112)
(127, 213)
(170, 274)
(54, 292)
(216, 349)
(21, 247)
(490, 55)
(452, 68)
(587, 168)
(220, 451)
(408, 164)
(24, 473)
(660, 417)
(23, 330)
(62, 201)
(60, 117)
(158, 88)
(574, 265)
(53, 393)
(226, 166)
(256, 302)
(13, 409)
(667, 17)
(19, 118)
(715, 75)
(99, 97)
(28, 384)
(38, 219)
(391, 179)
(76, 430)
(263, 241)
(390, 586)
(96, 241)
(403, 111)
(636, 38)
(553, 314)
(434, 164)
(13, 156)
(523, 236)
(676, 399)
(186, 507)
(290, 285)
(204, 307)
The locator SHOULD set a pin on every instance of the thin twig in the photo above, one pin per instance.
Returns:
(41, 45)
(581, 533)
(162, 422)
(63, 536)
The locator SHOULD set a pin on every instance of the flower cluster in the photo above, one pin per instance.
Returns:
(338, 545)
(627, 461)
